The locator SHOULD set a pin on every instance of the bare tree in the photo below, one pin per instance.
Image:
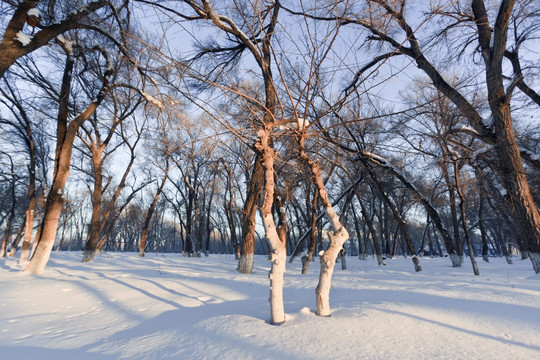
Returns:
(98, 150)
(499, 130)
(151, 209)
(25, 130)
(338, 236)
(66, 132)
(13, 179)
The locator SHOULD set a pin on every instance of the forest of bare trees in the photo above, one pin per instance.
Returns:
(308, 129)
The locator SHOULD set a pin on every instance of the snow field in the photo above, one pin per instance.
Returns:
(166, 306)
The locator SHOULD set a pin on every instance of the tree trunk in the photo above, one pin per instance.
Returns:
(47, 231)
(510, 164)
(463, 220)
(373, 233)
(16, 241)
(338, 236)
(424, 236)
(150, 212)
(502, 241)
(3, 246)
(29, 218)
(282, 220)
(95, 221)
(245, 264)
(361, 254)
(453, 209)
(343, 258)
(227, 205)
(481, 225)
(313, 233)
(278, 250)
(7, 230)
(207, 220)
(28, 229)
(520, 201)
(44, 241)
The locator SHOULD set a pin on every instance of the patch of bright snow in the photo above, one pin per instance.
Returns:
(34, 12)
(23, 38)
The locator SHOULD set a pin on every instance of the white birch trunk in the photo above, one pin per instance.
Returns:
(278, 257)
(338, 236)
(328, 260)
(278, 250)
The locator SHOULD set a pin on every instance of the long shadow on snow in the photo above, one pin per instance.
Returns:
(183, 322)
(470, 332)
(370, 298)
(185, 336)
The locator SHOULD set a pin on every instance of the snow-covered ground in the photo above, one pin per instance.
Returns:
(170, 307)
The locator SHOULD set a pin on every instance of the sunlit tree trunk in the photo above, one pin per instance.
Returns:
(278, 249)
(338, 236)
(65, 136)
